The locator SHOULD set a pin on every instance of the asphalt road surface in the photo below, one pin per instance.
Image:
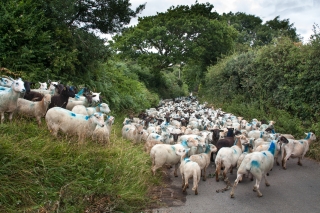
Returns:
(296, 189)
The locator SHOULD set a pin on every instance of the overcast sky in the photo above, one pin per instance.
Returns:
(302, 13)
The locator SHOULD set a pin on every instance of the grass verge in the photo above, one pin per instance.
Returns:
(41, 173)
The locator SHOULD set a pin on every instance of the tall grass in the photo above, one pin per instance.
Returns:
(39, 172)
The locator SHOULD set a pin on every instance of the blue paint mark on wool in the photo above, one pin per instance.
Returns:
(157, 136)
(255, 163)
(272, 147)
(207, 149)
(184, 143)
(187, 160)
(235, 151)
(87, 117)
(261, 133)
(173, 148)
(264, 153)
(72, 114)
(308, 136)
(301, 142)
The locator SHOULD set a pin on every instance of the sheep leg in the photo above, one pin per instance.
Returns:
(256, 186)
(2, 117)
(239, 177)
(204, 177)
(10, 116)
(186, 184)
(299, 162)
(218, 171)
(285, 157)
(266, 181)
(176, 170)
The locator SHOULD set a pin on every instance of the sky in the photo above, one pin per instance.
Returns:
(303, 14)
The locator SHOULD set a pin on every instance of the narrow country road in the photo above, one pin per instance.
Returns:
(296, 189)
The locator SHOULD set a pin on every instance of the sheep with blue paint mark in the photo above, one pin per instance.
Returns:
(9, 98)
(227, 157)
(34, 109)
(203, 159)
(132, 132)
(259, 134)
(164, 137)
(162, 154)
(102, 134)
(70, 123)
(189, 170)
(5, 82)
(81, 109)
(295, 148)
(258, 164)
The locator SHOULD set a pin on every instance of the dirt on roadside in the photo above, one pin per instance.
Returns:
(166, 195)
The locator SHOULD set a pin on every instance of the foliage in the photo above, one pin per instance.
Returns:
(45, 174)
(179, 36)
(120, 87)
(252, 32)
(283, 76)
(54, 39)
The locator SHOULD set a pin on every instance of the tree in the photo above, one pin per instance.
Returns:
(252, 32)
(180, 35)
(56, 39)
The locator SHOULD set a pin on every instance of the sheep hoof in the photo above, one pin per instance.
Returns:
(300, 164)
(267, 184)
(232, 195)
(267, 174)
(284, 168)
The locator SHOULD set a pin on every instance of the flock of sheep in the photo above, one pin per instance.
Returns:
(63, 107)
(181, 132)
(189, 136)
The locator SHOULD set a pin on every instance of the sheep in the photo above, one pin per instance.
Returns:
(258, 164)
(61, 100)
(189, 170)
(102, 134)
(33, 96)
(34, 109)
(203, 159)
(5, 82)
(9, 98)
(227, 157)
(296, 148)
(81, 109)
(68, 122)
(162, 154)
(149, 144)
(132, 132)
(259, 134)
(164, 137)
(72, 103)
(43, 86)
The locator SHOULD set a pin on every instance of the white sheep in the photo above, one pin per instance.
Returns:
(259, 134)
(189, 170)
(132, 132)
(227, 157)
(9, 98)
(68, 122)
(258, 164)
(203, 159)
(162, 154)
(81, 109)
(164, 137)
(295, 148)
(34, 109)
(102, 134)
